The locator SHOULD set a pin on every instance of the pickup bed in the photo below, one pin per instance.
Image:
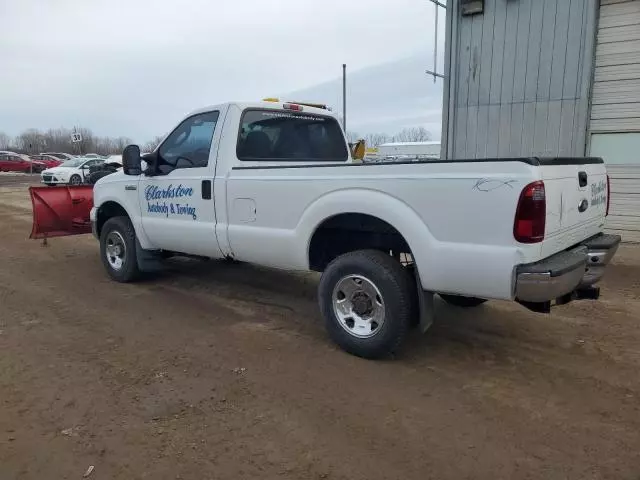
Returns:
(274, 183)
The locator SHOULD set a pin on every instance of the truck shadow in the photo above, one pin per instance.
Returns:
(497, 332)
(288, 301)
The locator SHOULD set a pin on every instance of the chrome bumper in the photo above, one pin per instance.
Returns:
(560, 275)
(601, 251)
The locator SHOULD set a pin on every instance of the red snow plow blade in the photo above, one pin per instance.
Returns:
(61, 211)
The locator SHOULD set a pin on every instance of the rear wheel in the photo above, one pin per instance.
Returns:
(118, 249)
(366, 300)
(464, 302)
(75, 180)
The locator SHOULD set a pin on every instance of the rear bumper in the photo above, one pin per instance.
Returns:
(566, 272)
(601, 250)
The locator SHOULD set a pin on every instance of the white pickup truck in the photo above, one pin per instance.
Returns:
(274, 184)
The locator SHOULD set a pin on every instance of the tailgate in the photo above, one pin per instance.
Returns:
(576, 196)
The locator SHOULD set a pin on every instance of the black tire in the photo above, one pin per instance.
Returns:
(75, 180)
(121, 226)
(464, 302)
(396, 288)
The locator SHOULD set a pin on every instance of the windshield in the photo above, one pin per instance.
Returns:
(76, 162)
(277, 135)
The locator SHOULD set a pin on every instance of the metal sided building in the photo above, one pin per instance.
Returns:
(548, 78)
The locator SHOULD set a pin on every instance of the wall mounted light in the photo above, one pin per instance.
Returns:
(471, 7)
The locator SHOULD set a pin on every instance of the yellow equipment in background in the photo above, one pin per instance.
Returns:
(358, 150)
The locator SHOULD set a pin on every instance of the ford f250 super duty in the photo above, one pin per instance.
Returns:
(274, 184)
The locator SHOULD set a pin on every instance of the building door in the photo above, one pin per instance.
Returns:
(614, 127)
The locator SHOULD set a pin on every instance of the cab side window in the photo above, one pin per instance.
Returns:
(189, 144)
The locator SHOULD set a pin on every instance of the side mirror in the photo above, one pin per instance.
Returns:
(131, 160)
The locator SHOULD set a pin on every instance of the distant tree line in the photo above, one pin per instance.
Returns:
(33, 141)
(412, 134)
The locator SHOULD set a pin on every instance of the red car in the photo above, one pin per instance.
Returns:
(49, 161)
(16, 162)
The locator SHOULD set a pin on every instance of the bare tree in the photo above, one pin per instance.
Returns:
(353, 137)
(375, 139)
(30, 141)
(152, 144)
(413, 134)
(5, 141)
(59, 140)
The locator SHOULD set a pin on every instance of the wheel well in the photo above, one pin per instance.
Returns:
(109, 210)
(348, 232)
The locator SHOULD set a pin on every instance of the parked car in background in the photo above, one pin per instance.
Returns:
(71, 172)
(62, 156)
(92, 155)
(17, 162)
(49, 161)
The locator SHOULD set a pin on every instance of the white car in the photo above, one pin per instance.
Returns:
(71, 172)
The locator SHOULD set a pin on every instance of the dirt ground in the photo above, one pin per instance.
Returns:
(223, 371)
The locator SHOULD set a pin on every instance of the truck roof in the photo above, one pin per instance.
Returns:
(270, 105)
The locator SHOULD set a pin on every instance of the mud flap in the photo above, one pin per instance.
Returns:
(148, 261)
(426, 305)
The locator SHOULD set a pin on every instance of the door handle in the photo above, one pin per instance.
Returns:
(583, 205)
(206, 189)
(582, 179)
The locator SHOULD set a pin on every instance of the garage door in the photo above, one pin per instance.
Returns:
(616, 88)
(624, 211)
(615, 111)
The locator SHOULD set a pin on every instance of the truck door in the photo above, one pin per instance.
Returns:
(177, 208)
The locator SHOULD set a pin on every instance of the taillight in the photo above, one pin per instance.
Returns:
(531, 214)
(608, 194)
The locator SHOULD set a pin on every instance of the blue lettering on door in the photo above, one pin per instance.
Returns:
(155, 197)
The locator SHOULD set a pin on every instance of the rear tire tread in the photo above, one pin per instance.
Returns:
(397, 288)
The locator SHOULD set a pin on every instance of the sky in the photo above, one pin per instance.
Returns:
(136, 67)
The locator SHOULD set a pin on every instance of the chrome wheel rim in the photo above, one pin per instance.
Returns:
(75, 180)
(116, 250)
(358, 305)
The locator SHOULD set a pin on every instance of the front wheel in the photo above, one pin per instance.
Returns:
(464, 302)
(118, 249)
(75, 180)
(366, 299)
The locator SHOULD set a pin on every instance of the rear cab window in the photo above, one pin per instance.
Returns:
(276, 135)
